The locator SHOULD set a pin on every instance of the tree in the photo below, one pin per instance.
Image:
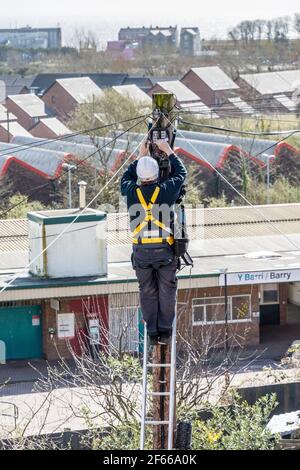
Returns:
(109, 109)
(239, 426)
(297, 22)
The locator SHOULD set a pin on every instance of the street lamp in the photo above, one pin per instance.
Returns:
(69, 169)
(268, 158)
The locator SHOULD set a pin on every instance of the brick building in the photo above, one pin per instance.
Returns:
(28, 109)
(185, 98)
(269, 92)
(49, 128)
(211, 84)
(190, 43)
(58, 312)
(153, 38)
(65, 94)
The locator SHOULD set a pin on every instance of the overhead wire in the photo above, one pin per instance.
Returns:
(52, 180)
(41, 143)
(237, 191)
(81, 211)
(236, 131)
(237, 114)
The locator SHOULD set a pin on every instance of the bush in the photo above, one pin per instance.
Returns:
(239, 426)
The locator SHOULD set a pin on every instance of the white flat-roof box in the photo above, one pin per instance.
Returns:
(80, 250)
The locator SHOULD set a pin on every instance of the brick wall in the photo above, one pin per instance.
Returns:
(23, 118)
(4, 137)
(59, 100)
(53, 348)
(42, 131)
(239, 332)
(194, 83)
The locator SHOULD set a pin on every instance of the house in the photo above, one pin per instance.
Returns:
(5, 115)
(153, 38)
(43, 81)
(49, 128)
(143, 82)
(185, 98)
(162, 39)
(96, 288)
(271, 91)
(65, 94)
(120, 50)
(28, 108)
(10, 130)
(210, 84)
(14, 85)
(190, 43)
(134, 93)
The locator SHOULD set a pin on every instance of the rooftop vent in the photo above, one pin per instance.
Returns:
(262, 255)
(80, 251)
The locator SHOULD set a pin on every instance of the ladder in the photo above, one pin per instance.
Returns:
(170, 394)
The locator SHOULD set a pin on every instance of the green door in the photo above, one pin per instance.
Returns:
(21, 331)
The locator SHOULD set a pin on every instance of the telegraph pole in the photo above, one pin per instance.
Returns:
(7, 120)
(163, 105)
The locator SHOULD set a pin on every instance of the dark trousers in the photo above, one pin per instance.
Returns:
(155, 269)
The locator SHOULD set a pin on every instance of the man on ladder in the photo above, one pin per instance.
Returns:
(151, 208)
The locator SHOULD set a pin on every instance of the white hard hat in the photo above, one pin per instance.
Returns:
(147, 168)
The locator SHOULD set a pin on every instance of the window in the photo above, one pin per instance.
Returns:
(240, 307)
(212, 309)
(269, 294)
(124, 328)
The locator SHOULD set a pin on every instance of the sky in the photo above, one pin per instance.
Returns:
(165, 10)
(214, 17)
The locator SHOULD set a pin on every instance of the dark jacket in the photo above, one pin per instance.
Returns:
(168, 195)
(169, 189)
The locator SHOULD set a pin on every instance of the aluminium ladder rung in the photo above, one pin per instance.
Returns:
(158, 365)
(147, 364)
(156, 423)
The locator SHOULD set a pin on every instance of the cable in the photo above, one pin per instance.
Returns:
(74, 220)
(42, 142)
(246, 100)
(237, 191)
(239, 113)
(235, 131)
(34, 190)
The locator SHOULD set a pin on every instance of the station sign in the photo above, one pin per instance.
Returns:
(260, 277)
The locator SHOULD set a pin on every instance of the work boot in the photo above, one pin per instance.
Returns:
(153, 340)
(165, 338)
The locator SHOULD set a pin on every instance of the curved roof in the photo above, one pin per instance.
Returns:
(46, 163)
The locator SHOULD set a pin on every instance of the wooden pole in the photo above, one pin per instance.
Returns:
(163, 105)
(161, 384)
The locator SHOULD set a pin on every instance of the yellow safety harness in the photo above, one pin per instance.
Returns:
(149, 218)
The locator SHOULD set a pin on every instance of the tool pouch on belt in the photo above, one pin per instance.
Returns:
(180, 246)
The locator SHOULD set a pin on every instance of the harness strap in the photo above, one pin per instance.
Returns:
(149, 218)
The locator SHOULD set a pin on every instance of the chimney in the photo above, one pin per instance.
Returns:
(82, 194)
